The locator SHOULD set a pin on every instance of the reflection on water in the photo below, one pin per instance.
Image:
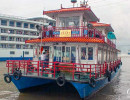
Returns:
(118, 89)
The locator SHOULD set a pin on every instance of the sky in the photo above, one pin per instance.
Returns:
(114, 12)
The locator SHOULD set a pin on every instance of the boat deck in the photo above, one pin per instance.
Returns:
(52, 70)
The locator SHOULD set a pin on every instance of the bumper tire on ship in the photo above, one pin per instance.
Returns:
(17, 75)
(108, 75)
(92, 83)
(115, 69)
(7, 78)
(61, 81)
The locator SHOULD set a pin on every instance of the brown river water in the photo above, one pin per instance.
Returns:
(118, 89)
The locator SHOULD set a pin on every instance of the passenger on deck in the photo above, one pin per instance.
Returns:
(50, 29)
(43, 58)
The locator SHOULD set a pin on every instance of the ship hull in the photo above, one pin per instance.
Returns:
(25, 83)
(84, 89)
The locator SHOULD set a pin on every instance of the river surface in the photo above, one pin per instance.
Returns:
(118, 89)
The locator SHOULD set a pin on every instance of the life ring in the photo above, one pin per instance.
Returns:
(17, 75)
(92, 83)
(61, 81)
(108, 75)
(115, 69)
(7, 78)
(111, 70)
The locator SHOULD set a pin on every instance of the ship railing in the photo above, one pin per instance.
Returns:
(80, 31)
(71, 71)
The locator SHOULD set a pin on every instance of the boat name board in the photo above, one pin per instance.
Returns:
(65, 33)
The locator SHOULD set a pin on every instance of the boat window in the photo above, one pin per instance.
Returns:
(50, 52)
(73, 54)
(63, 54)
(104, 55)
(69, 21)
(12, 52)
(25, 25)
(57, 53)
(4, 22)
(99, 55)
(90, 53)
(19, 24)
(83, 53)
(11, 23)
(67, 54)
(26, 53)
(32, 26)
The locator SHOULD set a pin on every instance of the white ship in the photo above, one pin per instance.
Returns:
(13, 33)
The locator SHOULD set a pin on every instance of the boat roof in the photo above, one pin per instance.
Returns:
(86, 11)
(67, 39)
(108, 26)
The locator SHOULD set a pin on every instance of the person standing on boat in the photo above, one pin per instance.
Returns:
(50, 29)
(43, 58)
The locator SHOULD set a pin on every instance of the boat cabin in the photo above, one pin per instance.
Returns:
(73, 40)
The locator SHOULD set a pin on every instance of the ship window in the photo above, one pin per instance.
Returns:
(83, 53)
(31, 46)
(90, 53)
(73, 54)
(99, 55)
(18, 46)
(11, 38)
(3, 30)
(10, 46)
(3, 45)
(12, 52)
(18, 24)
(3, 38)
(26, 53)
(25, 25)
(4, 22)
(32, 26)
(57, 54)
(11, 23)
(11, 31)
(67, 54)
(69, 21)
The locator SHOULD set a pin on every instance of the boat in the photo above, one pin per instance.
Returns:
(128, 52)
(79, 53)
(14, 32)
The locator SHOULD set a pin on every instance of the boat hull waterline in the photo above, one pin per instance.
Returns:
(84, 89)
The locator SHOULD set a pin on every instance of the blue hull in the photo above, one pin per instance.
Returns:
(15, 58)
(84, 90)
(28, 82)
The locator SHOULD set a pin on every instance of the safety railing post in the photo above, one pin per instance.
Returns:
(19, 65)
(95, 72)
(13, 66)
(8, 66)
(100, 71)
(38, 67)
(54, 69)
(90, 72)
(103, 70)
(73, 71)
(27, 67)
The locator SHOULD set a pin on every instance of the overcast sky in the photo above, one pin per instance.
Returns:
(114, 12)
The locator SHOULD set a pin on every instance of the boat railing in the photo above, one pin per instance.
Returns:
(72, 71)
(80, 31)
